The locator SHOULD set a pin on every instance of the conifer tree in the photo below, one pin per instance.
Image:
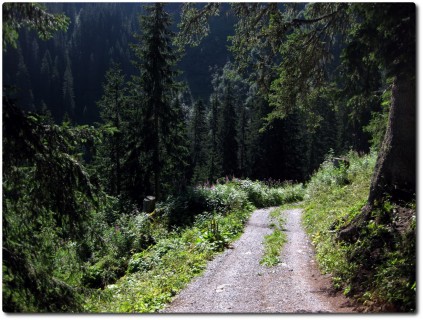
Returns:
(227, 133)
(198, 142)
(46, 74)
(175, 142)
(68, 93)
(241, 138)
(24, 84)
(214, 159)
(112, 105)
(254, 148)
(157, 87)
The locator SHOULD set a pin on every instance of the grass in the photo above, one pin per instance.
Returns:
(334, 196)
(273, 243)
(378, 268)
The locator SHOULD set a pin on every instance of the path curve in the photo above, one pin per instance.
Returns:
(236, 282)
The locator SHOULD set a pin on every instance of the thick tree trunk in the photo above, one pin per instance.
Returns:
(395, 171)
(394, 176)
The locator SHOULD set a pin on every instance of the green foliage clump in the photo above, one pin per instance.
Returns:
(48, 197)
(385, 255)
(263, 196)
(378, 267)
(330, 202)
(225, 197)
(274, 242)
(32, 16)
(117, 236)
(156, 274)
(181, 210)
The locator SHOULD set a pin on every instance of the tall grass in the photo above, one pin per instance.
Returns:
(377, 268)
(334, 196)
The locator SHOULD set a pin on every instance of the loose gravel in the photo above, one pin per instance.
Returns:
(235, 282)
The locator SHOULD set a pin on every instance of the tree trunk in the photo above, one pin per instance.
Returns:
(149, 204)
(395, 171)
(394, 176)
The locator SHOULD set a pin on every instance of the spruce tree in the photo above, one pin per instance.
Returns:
(241, 138)
(214, 158)
(68, 93)
(175, 142)
(198, 142)
(157, 87)
(254, 148)
(112, 105)
(23, 81)
(227, 133)
(46, 75)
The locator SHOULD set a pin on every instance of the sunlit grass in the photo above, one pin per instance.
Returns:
(273, 243)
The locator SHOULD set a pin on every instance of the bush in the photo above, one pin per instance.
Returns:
(105, 271)
(261, 195)
(151, 257)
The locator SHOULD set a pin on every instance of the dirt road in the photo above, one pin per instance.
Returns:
(236, 282)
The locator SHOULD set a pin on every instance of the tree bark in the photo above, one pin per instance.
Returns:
(395, 171)
(394, 176)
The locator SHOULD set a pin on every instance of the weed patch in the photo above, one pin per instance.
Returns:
(378, 266)
(273, 243)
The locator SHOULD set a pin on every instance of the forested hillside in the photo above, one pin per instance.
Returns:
(209, 110)
(79, 58)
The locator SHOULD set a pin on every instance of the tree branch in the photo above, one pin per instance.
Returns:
(297, 22)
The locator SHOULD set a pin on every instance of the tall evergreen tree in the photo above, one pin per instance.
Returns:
(156, 61)
(46, 75)
(241, 138)
(214, 159)
(228, 101)
(199, 142)
(227, 132)
(24, 84)
(256, 105)
(175, 142)
(112, 105)
(68, 93)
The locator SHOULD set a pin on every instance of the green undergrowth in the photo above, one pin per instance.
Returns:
(377, 267)
(273, 243)
(173, 244)
(156, 274)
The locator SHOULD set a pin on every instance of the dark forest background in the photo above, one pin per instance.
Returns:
(65, 75)
(97, 36)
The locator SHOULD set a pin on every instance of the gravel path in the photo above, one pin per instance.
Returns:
(236, 282)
